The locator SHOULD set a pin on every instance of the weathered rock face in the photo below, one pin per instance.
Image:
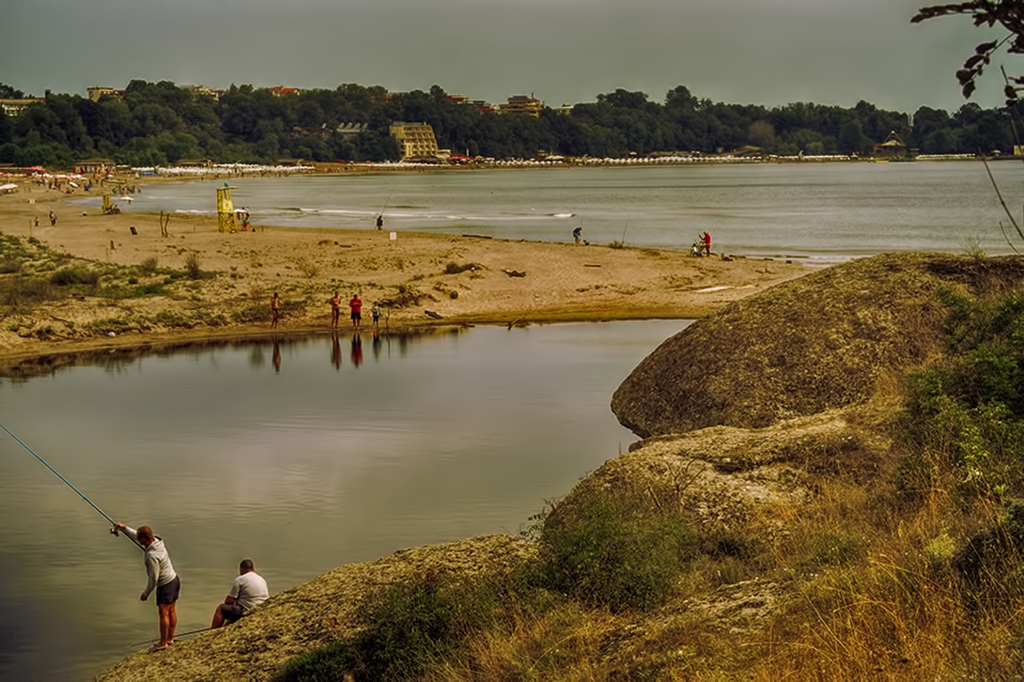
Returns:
(812, 344)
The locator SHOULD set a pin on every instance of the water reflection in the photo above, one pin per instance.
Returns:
(336, 352)
(357, 350)
(117, 360)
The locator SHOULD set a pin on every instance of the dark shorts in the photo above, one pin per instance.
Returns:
(231, 612)
(168, 594)
(357, 316)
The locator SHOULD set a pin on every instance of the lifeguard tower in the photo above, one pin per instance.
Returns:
(226, 219)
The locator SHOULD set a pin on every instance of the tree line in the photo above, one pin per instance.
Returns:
(161, 123)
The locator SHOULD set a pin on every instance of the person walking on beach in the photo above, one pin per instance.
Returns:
(275, 310)
(576, 234)
(53, 218)
(335, 302)
(248, 590)
(161, 577)
(380, 221)
(355, 304)
(707, 243)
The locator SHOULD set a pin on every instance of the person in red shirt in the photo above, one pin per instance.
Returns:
(355, 304)
(707, 243)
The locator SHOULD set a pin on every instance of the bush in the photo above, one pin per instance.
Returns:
(605, 551)
(74, 274)
(192, 265)
(149, 265)
(9, 266)
(408, 626)
(454, 268)
(20, 290)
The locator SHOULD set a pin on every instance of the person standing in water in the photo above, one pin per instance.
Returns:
(576, 234)
(161, 577)
(380, 221)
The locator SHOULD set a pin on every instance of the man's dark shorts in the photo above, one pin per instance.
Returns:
(168, 594)
(357, 316)
(231, 612)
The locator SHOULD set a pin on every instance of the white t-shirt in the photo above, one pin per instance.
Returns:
(249, 589)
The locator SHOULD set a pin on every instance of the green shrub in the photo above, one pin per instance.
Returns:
(21, 290)
(9, 266)
(74, 274)
(965, 413)
(454, 268)
(606, 551)
(192, 265)
(408, 627)
(149, 265)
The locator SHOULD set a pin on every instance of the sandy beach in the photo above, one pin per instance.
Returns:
(146, 297)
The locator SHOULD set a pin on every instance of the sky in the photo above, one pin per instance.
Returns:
(770, 52)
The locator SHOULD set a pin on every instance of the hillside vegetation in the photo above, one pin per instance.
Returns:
(853, 508)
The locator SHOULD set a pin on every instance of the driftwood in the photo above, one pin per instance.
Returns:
(432, 314)
(513, 273)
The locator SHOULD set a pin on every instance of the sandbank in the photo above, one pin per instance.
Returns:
(460, 280)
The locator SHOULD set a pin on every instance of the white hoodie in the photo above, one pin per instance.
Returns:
(158, 562)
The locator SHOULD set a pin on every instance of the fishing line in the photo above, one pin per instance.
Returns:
(69, 484)
(176, 636)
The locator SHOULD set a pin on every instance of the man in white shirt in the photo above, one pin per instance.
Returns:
(248, 590)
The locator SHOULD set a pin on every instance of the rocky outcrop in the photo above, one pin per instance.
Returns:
(812, 344)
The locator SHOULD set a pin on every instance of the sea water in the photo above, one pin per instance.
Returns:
(824, 212)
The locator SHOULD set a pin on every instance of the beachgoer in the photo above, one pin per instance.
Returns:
(335, 302)
(161, 577)
(707, 243)
(275, 310)
(380, 221)
(576, 234)
(53, 218)
(355, 304)
(248, 590)
(375, 311)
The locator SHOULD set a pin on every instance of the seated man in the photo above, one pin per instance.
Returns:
(248, 590)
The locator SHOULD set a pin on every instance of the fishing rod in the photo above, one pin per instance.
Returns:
(386, 202)
(113, 524)
(176, 636)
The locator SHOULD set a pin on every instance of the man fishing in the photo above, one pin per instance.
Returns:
(161, 577)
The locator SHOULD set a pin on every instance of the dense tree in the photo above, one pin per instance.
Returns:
(158, 123)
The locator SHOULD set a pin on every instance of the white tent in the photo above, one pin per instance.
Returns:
(8, 188)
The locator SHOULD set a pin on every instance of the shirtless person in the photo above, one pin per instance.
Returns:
(248, 590)
(335, 302)
(275, 310)
(161, 576)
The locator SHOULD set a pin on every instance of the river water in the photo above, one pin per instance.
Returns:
(303, 456)
(825, 212)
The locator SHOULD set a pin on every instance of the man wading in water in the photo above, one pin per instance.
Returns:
(161, 576)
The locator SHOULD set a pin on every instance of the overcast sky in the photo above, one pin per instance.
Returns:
(769, 52)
